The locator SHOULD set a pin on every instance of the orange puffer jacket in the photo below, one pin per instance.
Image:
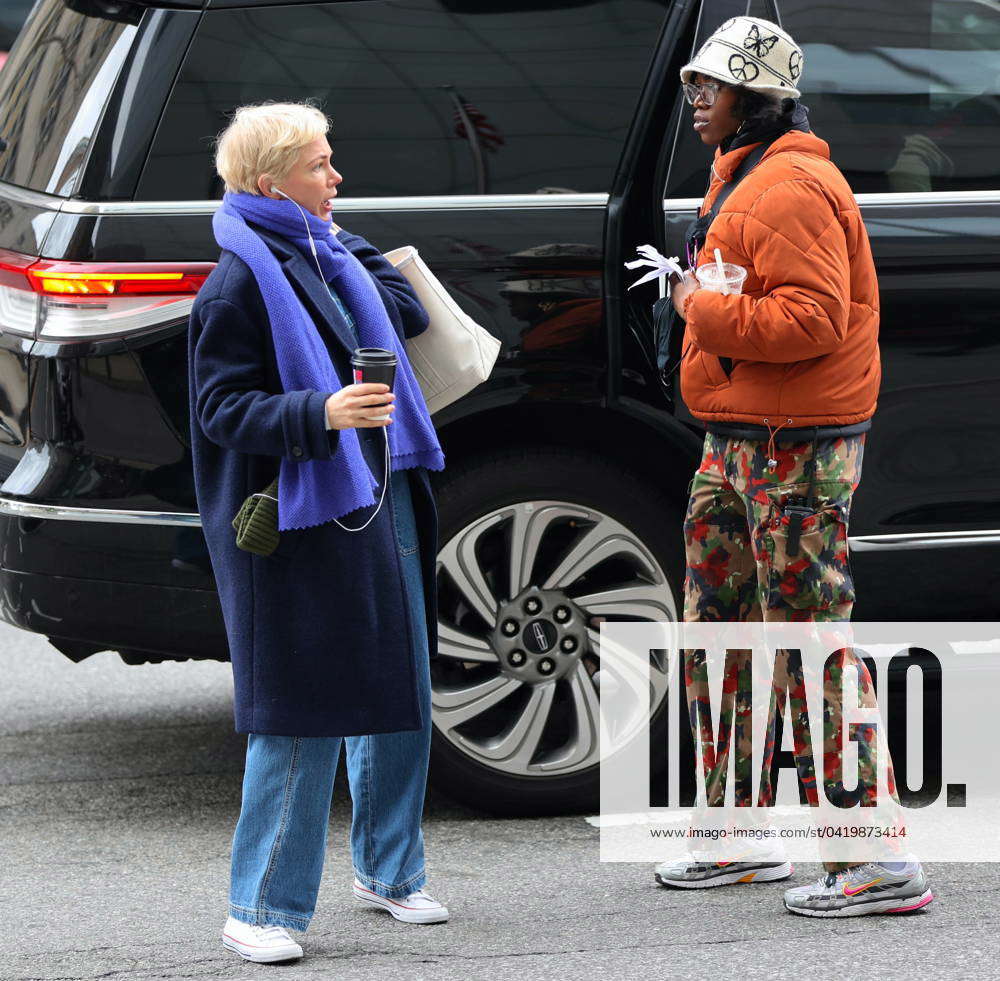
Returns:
(803, 336)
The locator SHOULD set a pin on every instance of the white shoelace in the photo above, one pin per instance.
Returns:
(420, 894)
(270, 932)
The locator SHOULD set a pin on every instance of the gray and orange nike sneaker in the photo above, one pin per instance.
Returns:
(873, 888)
(697, 874)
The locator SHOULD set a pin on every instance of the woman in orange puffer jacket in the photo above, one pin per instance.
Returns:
(785, 376)
(790, 362)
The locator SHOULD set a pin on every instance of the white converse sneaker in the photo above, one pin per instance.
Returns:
(262, 944)
(418, 907)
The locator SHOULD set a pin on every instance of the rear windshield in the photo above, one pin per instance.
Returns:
(55, 85)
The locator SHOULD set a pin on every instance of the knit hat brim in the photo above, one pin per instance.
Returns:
(781, 91)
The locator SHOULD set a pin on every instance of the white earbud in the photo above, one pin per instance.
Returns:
(312, 245)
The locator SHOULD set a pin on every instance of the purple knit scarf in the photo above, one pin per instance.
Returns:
(317, 491)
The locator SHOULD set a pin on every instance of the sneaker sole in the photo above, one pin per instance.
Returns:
(907, 905)
(772, 874)
(397, 910)
(264, 957)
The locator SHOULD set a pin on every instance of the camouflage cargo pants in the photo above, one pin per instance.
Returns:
(739, 569)
(736, 535)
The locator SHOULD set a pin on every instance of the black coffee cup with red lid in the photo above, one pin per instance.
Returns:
(375, 366)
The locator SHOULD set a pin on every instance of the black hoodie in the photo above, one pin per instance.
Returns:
(794, 116)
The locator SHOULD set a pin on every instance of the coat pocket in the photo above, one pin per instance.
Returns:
(817, 577)
(289, 543)
(406, 536)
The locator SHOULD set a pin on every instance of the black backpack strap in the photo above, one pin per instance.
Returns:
(698, 230)
(748, 163)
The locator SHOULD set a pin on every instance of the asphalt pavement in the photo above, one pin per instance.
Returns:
(119, 791)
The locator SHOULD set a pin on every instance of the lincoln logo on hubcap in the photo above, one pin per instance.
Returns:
(539, 636)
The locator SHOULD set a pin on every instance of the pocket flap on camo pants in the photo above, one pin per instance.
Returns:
(818, 577)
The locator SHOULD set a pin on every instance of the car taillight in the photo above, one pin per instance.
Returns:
(54, 300)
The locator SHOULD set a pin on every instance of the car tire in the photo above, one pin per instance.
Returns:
(471, 494)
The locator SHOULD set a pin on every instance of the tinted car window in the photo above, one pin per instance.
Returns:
(907, 102)
(12, 14)
(426, 96)
(55, 86)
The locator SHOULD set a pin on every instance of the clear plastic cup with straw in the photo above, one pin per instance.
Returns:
(721, 277)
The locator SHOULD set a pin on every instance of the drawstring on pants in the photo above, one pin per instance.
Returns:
(772, 463)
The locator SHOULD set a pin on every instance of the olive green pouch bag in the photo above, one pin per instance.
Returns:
(256, 522)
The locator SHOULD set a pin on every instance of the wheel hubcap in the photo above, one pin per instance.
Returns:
(546, 650)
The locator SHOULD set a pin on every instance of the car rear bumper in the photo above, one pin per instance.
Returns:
(91, 615)
(94, 579)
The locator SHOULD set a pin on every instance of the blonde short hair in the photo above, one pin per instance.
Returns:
(265, 139)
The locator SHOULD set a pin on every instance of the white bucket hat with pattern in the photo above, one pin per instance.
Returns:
(751, 52)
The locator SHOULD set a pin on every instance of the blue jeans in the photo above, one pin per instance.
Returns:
(280, 839)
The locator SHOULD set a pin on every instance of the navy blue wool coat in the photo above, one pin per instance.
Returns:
(318, 632)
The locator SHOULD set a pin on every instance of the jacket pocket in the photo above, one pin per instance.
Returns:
(818, 577)
(712, 367)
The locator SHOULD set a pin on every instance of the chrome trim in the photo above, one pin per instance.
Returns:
(445, 202)
(682, 204)
(915, 540)
(442, 202)
(103, 208)
(11, 507)
(876, 200)
(58, 512)
(34, 199)
(430, 202)
(930, 197)
(468, 202)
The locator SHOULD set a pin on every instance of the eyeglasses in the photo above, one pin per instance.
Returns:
(707, 91)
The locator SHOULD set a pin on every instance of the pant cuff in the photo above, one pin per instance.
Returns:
(400, 891)
(270, 917)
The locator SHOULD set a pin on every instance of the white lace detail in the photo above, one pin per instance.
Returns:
(269, 932)
(421, 895)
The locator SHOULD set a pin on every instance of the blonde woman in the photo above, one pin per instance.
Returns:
(330, 635)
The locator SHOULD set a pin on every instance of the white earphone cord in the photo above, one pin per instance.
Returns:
(385, 429)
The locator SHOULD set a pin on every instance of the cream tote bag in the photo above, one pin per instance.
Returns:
(454, 354)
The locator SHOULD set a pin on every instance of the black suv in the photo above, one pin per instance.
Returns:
(526, 148)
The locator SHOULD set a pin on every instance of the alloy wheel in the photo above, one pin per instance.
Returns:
(522, 591)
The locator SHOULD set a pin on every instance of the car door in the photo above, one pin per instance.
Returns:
(911, 110)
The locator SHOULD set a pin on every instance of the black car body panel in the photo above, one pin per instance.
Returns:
(101, 426)
(26, 219)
